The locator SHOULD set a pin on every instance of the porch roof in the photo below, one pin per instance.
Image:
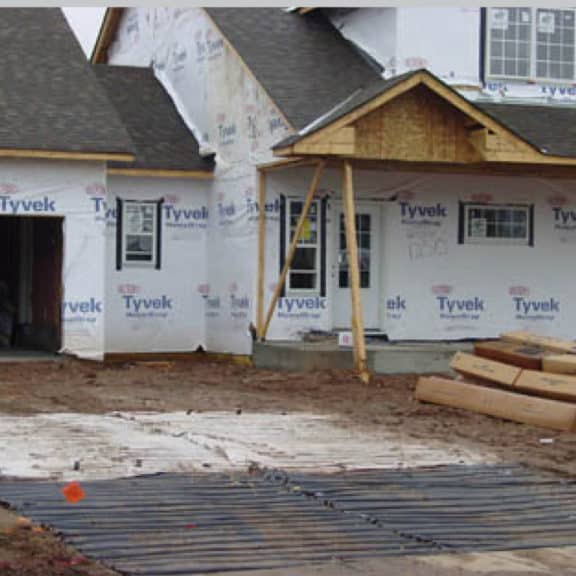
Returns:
(378, 121)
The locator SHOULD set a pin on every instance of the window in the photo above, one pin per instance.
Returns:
(304, 271)
(363, 239)
(138, 233)
(496, 224)
(531, 43)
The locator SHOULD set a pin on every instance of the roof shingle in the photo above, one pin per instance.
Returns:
(304, 64)
(161, 138)
(49, 97)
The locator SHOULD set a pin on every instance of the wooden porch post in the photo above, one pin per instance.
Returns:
(261, 252)
(293, 244)
(354, 274)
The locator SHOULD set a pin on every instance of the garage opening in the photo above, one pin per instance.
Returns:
(30, 283)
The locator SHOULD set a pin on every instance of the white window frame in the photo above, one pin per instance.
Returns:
(500, 241)
(316, 245)
(532, 66)
(126, 262)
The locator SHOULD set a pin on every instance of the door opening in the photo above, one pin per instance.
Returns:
(368, 239)
(31, 282)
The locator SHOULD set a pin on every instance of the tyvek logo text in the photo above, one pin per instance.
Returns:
(138, 307)
(419, 214)
(528, 309)
(43, 206)
(460, 309)
(395, 307)
(309, 307)
(81, 310)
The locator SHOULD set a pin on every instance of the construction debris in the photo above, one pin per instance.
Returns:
(538, 389)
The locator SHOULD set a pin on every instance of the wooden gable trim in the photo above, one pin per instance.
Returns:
(352, 116)
(64, 155)
(151, 173)
(106, 36)
(248, 70)
(491, 140)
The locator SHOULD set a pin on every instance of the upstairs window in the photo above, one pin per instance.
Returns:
(531, 44)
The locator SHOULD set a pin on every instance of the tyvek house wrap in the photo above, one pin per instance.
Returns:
(151, 309)
(67, 189)
(432, 285)
(230, 114)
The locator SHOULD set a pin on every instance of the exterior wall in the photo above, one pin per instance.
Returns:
(432, 287)
(446, 41)
(453, 290)
(61, 188)
(230, 114)
(179, 286)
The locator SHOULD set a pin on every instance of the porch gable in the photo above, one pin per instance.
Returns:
(416, 119)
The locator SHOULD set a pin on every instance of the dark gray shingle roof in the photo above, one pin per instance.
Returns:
(49, 97)
(551, 129)
(161, 138)
(304, 64)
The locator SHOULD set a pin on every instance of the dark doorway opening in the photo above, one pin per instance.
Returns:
(31, 282)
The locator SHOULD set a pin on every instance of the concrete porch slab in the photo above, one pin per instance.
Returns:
(383, 357)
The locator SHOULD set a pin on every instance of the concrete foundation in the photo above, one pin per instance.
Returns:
(383, 358)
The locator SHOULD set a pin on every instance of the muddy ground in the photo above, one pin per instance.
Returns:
(74, 386)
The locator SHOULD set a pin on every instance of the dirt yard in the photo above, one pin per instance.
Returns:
(74, 386)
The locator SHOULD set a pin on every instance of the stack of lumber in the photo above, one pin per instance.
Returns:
(521, 377)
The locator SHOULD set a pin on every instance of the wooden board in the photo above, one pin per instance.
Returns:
(523, 356)
(471, 365)
(557, 386)
(559, 363)
(499, 403)
(553, 344)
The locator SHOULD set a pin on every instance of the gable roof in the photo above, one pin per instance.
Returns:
(551, 129)
(50, 100)
(548, 130)
(161, 138)
(352, 102)
(304, 64)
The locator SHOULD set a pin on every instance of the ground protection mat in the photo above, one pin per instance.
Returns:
(171, 524)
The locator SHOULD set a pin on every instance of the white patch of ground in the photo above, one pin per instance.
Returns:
(87, 446)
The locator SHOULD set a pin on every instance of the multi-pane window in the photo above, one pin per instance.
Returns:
(304, 271)
(531, 43)
(139, 223)
(363, 239)
(555, 44)
(496, 224)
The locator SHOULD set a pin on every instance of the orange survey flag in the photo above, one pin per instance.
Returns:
(73, 492)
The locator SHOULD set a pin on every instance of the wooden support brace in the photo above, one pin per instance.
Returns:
(293, 245)
(354, 275)
(261, 253)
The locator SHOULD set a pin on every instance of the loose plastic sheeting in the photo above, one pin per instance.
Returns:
(67, 189)
(159, 310)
